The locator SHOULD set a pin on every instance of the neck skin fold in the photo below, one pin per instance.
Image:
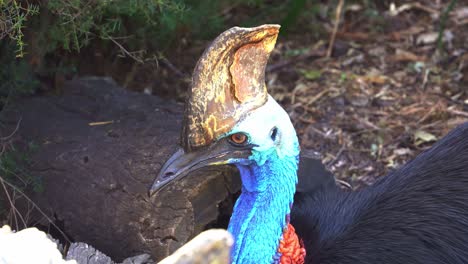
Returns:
(261, 212)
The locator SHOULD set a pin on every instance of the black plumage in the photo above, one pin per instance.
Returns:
(416, 214)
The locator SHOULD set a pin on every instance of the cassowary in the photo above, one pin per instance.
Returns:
(417, 214)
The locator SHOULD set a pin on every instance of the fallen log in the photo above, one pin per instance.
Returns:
(97, 150)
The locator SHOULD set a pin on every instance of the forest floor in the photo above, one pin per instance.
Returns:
(386, 93)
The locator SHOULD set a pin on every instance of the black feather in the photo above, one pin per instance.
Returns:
(312, 174)
(417, 214)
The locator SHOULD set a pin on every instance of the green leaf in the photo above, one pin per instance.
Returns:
(311, 74)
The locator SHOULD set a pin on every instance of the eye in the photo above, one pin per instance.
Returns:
(238, 138)
(274, 133)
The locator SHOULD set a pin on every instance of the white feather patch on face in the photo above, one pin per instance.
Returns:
(258, 127)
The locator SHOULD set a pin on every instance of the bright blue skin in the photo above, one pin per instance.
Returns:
(269, 180)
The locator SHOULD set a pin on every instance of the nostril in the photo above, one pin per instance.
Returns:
(168, 174)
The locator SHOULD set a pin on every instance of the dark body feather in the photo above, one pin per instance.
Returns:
(417, 214)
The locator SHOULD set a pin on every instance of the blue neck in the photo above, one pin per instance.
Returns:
(260, 212)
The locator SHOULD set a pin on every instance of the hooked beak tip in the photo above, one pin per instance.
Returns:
(152, 191)
(156, 187)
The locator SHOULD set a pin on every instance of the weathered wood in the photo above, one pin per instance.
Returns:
(83, 253)
(96, 176)
(210, 247)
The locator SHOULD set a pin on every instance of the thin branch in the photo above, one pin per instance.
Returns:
(11, 214)
(12, 133)
(173, 68)
(457, 112)
(37, 207)
(14, 210)
(337, 156)
(339, 8)
(125, 51)
(315, 54)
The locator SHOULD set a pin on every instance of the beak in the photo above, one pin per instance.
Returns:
(180, 164)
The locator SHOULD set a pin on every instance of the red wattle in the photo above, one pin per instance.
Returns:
(291, 248)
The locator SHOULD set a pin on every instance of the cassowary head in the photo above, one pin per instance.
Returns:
(231, 119)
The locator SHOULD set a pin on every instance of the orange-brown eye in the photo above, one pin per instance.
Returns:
(239, 138)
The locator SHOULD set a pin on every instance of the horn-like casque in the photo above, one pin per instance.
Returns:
(228, 82)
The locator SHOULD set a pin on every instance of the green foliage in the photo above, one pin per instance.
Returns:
(73, 24)
(76, 22)
(15, 75)
(443, 22)
(311, 75)
(51, 33)
(149, 26)
(297, 7)
(12, 169)
(13, 17)
(13, 172)
(152, 24)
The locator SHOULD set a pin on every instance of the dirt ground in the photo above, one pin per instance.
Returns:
(386, 93)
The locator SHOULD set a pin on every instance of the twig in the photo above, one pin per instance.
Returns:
(101, 123)
(335, 28)
(313, 128)
(428, 113)
(6, 170)
(457, 112)
(80, 11)
(318, 96)
(367, 123)
(285, 63)
(337, 156)
(425, 78)
(173, 68)
(13, 207)
(125, 51)
(448, 98)
(11, 213)
(37, 207)
(431, 125)
(14, 131)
